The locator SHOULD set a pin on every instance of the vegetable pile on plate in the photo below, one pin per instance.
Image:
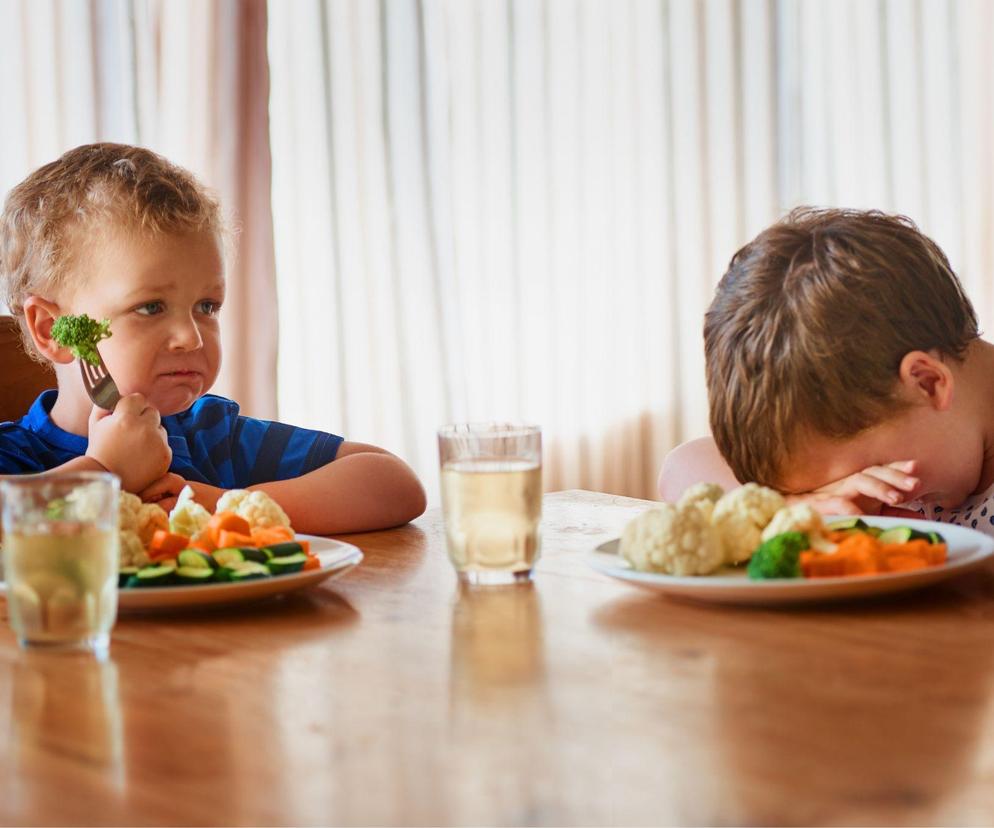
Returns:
(248, 537)
(708, 530)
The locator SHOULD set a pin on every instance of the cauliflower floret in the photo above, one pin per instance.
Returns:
(703, 496)
(128, 506)
(188, 517)
(258, 508)
(740, 517)
(132, 550)
(800, 517)
(144, 519)
(151, 518)
(678, 540)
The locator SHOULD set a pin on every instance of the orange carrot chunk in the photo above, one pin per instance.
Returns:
(166, 544)
(271, 535)
(226, 539)
(227, 522)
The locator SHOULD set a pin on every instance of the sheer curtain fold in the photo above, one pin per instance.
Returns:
(550, 184)
(185, 78)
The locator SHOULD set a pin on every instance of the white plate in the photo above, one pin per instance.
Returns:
(967, 549)
(336, 558)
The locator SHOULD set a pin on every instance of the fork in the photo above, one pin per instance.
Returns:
(99, 383)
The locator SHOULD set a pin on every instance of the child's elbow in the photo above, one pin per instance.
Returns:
(409, 498)
(416, 500)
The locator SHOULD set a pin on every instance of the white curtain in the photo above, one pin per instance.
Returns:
(520, 208)
(185, 78)
(514, 208)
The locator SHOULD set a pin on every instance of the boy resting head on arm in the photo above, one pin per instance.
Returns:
(845, 367)
(119, 233)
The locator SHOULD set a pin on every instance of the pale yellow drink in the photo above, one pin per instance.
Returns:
(492, 511)
(62, 584)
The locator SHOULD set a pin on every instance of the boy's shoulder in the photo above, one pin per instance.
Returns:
(33, 444)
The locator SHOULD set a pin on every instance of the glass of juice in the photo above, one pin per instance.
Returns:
(492, 499)
(60, 559)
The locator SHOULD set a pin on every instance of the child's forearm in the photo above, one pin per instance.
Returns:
(355, 493)
(83, 463)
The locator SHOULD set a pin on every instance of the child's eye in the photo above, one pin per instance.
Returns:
(150, 308)
(209, 308)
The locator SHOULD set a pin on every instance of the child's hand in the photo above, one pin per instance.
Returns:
(130, 442)
(164, 491)
(866, 492)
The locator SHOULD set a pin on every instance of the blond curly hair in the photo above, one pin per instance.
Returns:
(49, 217)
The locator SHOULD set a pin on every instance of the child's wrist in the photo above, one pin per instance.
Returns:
(206, 495)
(87, 462)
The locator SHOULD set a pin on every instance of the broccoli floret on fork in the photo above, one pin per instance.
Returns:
(80, 334)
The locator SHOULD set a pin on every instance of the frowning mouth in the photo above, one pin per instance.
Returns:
(182, 374)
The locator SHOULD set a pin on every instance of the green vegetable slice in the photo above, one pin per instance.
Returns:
(287, 564)
(229, 557)
(249, 571)
(153, 575)
(194, 558)
(847, 523)
(281, 550)
(194, 574)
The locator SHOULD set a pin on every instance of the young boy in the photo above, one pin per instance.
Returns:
(117, 232)
(845, 367)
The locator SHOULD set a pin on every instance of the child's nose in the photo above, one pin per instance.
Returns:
(186, 336)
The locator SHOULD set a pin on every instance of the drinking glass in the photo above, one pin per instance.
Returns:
(491, 499)
(60, 556)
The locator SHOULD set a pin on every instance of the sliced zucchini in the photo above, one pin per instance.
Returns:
(149, 576)
(847, 523)
(903, 534)
(253, 554)
(229, 557)
(125, 573)
(287, 564)
(194, 574)
(874, 531)
(897, 534)
(195, 559)
(281, 550)
(248, 571)
(935, 537)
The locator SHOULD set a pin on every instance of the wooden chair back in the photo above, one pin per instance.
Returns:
(21, 378)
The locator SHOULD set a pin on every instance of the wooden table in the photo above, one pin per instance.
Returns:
(391, 696)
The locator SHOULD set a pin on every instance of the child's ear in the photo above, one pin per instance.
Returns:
(925, 377)
(40, 314)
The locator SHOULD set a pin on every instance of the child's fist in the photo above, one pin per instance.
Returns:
(130, 442)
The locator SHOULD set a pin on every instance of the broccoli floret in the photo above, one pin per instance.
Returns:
(779, 557)
(80, 334)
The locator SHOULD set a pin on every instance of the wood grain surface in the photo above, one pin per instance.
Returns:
(393, 697)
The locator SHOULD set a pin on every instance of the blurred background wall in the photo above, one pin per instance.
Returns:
(495, 209)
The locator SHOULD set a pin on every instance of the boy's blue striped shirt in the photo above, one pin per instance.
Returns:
(211, 443)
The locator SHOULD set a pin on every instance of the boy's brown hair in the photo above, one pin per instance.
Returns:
(809, 325)
(49, 217)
